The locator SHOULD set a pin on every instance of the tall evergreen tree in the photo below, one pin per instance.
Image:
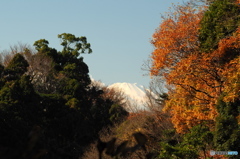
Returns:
(227, 131)
(51, 110)
(1, 76)
(16, 67)
(219, 21)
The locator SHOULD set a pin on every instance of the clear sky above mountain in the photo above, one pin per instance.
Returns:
(118, 30)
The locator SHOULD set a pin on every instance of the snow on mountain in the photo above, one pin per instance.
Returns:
(96, 82)
(135, 94)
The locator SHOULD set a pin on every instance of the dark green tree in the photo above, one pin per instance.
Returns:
(7, 97)
(15, 85)
(16, 67)
(67, 65)
(73, 45)
(1, 76)
(43, 49)
(197, 141)
(49, 109)
(227, 131)
(41, 45)
(200, 139)
(219, 21)
(72, 64)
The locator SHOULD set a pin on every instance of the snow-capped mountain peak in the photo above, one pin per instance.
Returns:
(129, 89)
(135, 94)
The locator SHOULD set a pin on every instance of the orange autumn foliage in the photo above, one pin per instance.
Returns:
(197, 79)
(238, 2)
(231, 70)
(176, 38)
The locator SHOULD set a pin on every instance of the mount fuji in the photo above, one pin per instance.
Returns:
(135, 95)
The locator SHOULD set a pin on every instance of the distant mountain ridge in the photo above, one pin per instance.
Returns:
(134, 93)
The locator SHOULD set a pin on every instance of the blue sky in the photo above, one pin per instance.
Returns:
(119, 31)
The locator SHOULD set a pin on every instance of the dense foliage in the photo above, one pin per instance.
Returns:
(48, 107)
(223, 18)
(197, 53)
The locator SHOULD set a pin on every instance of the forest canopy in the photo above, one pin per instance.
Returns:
(48, 106)
(196, 52)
